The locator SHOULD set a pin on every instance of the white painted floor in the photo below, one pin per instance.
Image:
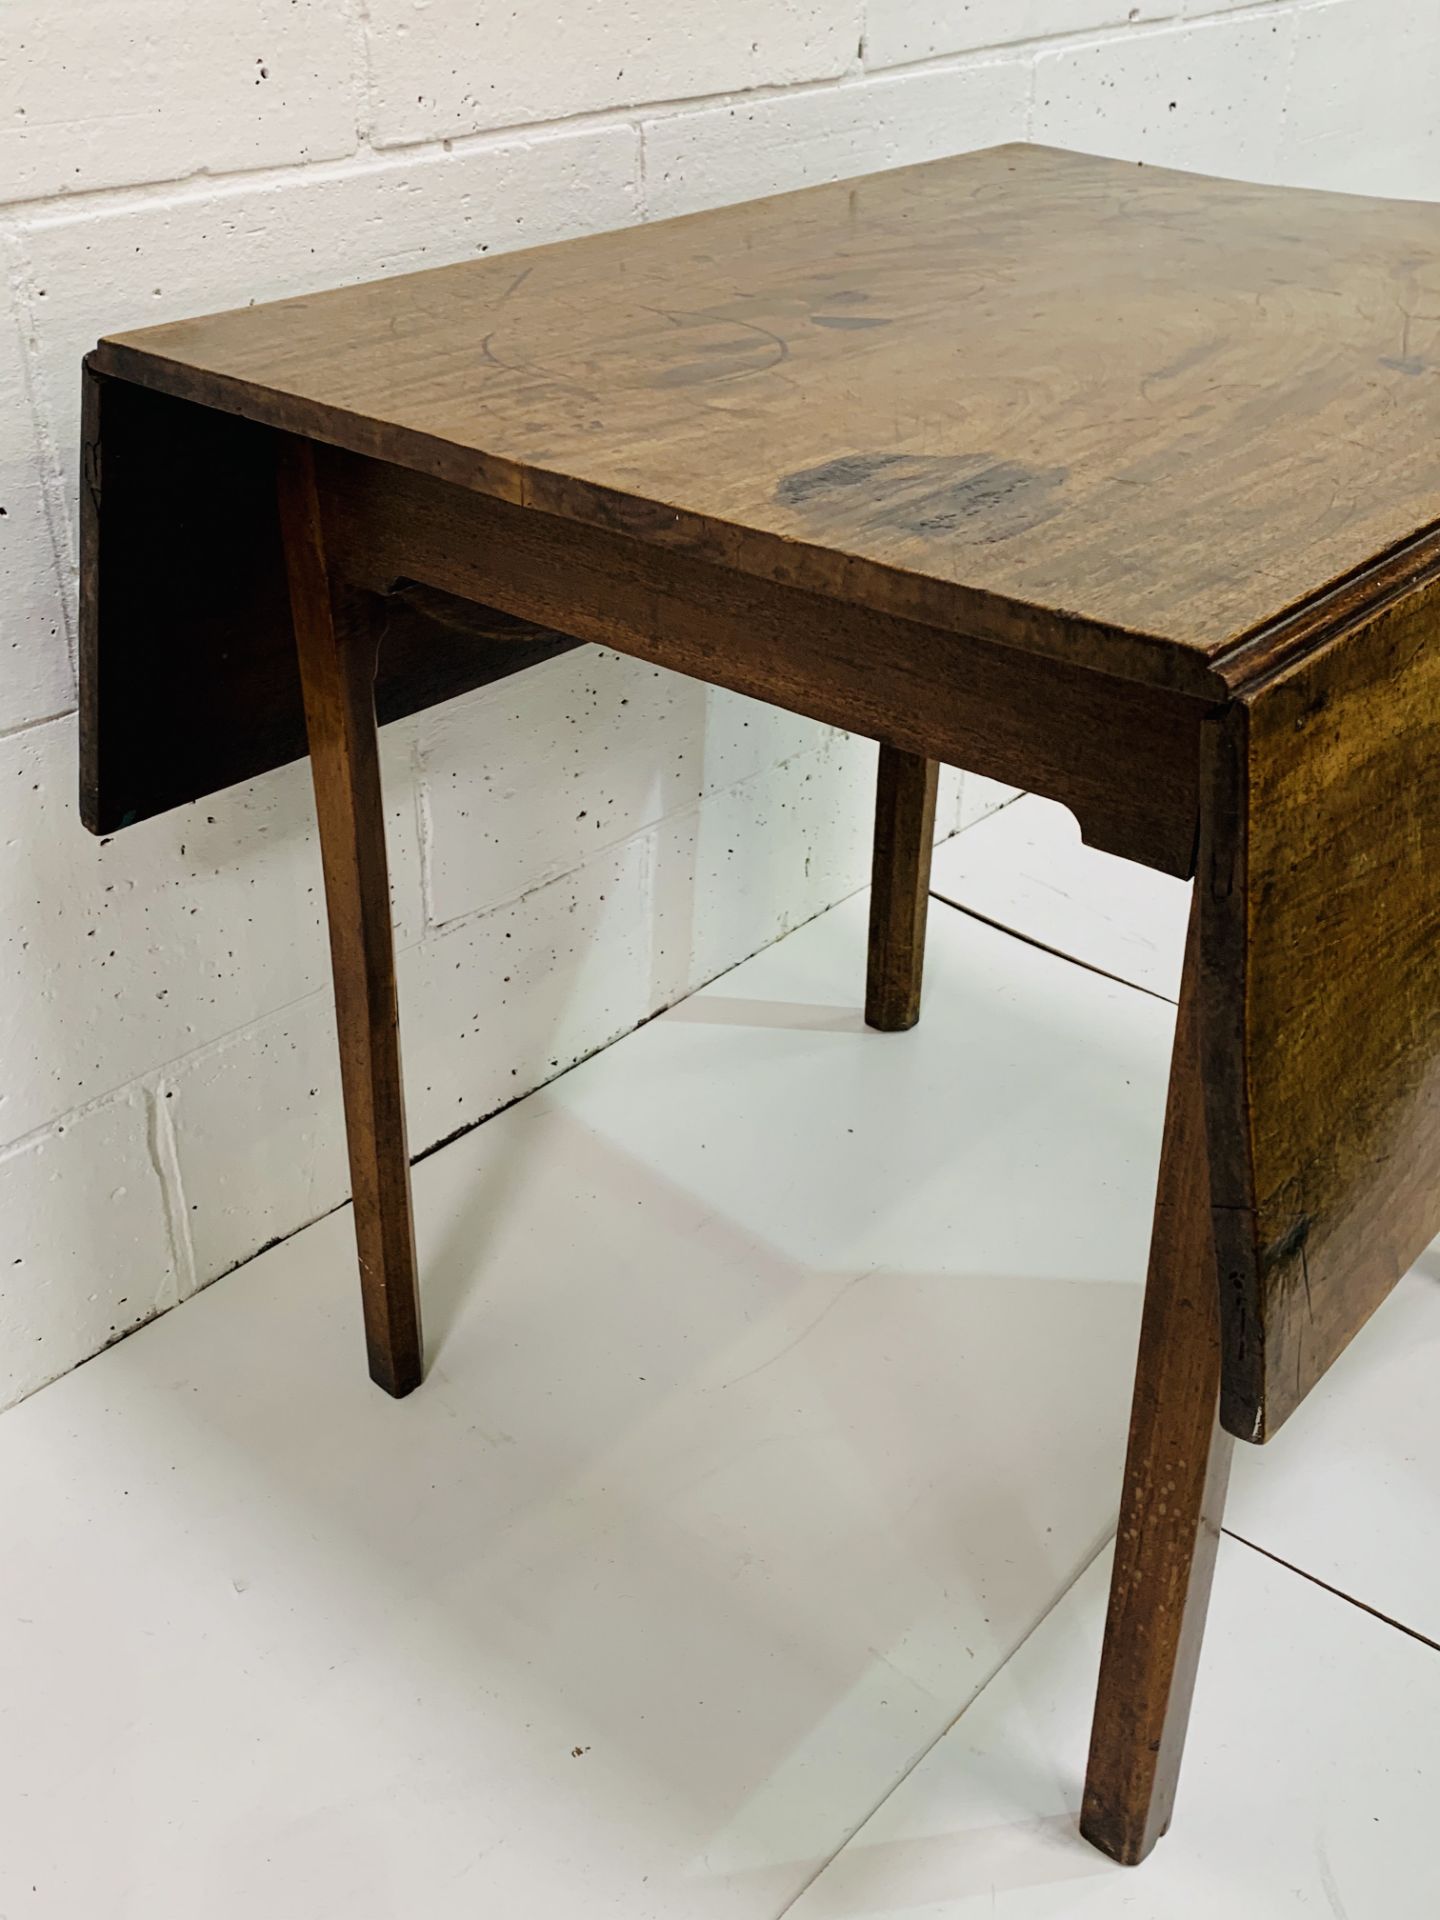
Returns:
(744, 1553)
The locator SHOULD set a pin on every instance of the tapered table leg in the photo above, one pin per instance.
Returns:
(1176, 1472)
(337, 640)
(900, 887)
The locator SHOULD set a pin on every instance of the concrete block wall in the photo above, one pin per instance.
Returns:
(573, 849)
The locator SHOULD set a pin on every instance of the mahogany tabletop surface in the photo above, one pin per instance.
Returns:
(1151, 409)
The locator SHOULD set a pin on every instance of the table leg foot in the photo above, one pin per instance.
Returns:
(900, 887)
(337, 638)
(1176, 1472)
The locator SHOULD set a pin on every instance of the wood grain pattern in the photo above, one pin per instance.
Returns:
(1109, 412)
(188, 673)
(1123, 756)
(1116, 484)
(1044, 466)
(1322, 867)
(905, 788)
(1177, 1469)
(337, 636)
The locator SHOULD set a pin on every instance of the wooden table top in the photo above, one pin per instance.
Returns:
(1144, 412)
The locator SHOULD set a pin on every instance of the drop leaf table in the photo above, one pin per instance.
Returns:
(1118, 484)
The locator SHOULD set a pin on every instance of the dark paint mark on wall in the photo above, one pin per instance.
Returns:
(978, 496)
(847, 322)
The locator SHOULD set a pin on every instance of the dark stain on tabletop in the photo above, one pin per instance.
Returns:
(930, 496)
(704, 350)
(1289, 1243)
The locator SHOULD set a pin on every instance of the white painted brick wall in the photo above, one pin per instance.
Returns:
(1371, 122)
(35, 668)
(573, 849)
(451, 67)
(95, 95)
(1200, 94)
(738, 151)
(89, 1247)
(901, 31)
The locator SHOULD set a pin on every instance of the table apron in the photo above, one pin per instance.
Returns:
(1122, 756)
